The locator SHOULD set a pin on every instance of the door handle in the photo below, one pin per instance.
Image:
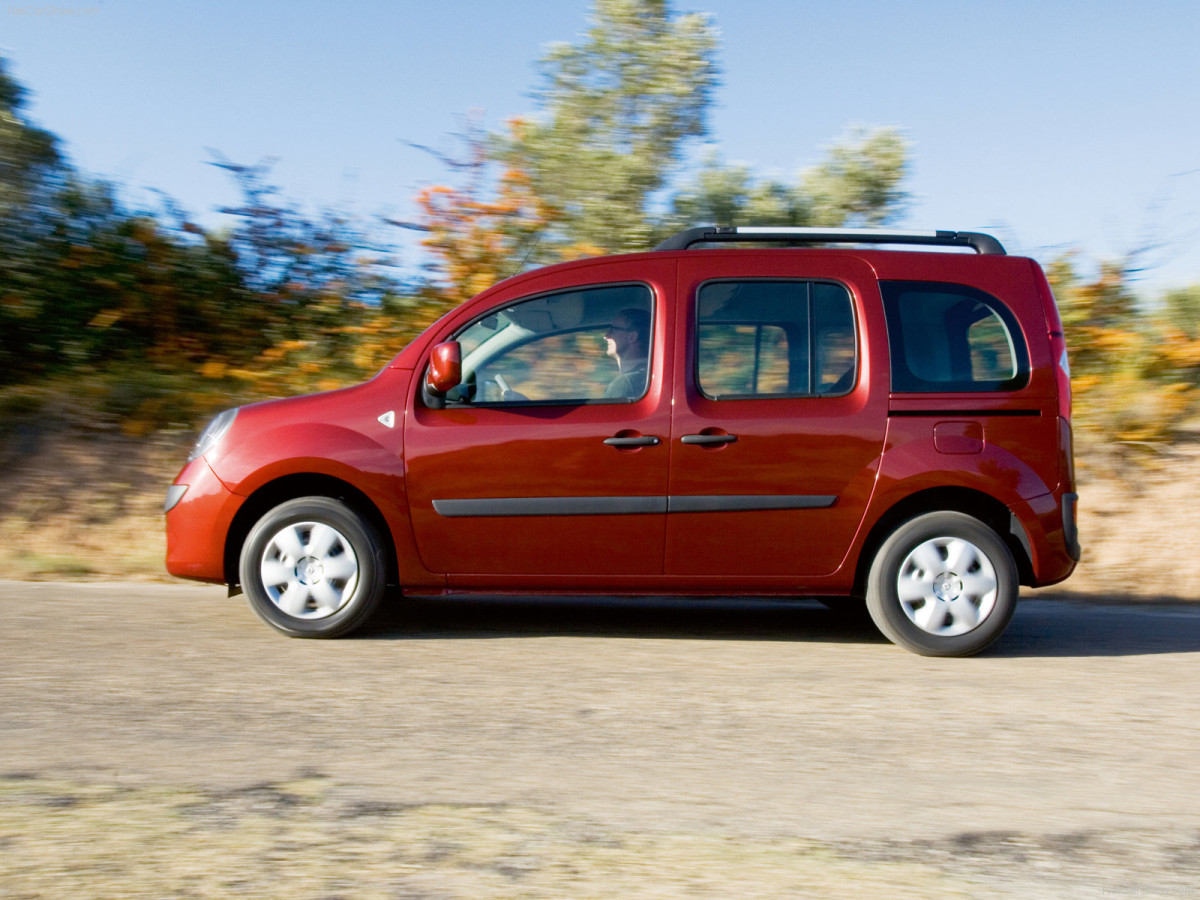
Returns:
(641, 440)
(709, 440)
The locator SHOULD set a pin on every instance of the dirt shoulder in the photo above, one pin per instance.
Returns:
(1139, 520)
(82, 500)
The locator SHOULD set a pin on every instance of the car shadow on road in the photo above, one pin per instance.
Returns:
(1075, 625)
(1044, 626)
(613, 617)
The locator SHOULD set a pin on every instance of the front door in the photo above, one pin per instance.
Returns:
(548, 466)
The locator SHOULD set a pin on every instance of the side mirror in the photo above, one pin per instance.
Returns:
(445, 369)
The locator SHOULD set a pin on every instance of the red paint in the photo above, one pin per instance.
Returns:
(871, 450)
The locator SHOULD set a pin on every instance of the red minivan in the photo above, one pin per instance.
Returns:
(801, 413)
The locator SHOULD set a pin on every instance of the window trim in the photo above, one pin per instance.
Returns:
(574, 289)
(694, 342)
(890, 291)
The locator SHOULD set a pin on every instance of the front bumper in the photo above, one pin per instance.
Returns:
(199, 512)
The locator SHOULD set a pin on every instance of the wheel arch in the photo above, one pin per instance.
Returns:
(292, 487)
(968, 501)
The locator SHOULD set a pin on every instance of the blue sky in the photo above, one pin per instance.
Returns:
(1056, 125)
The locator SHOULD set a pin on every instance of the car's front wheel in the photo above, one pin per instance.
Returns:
(313, 567)
(943, 584)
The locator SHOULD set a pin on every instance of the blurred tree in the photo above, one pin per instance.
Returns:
(616, 112)
(479, 232)
(589, 172)
(105, 284)
(332, 310)
(720, 194)
(1100, 314)
(1178, 349)
(1133, 376)
(28, 155)
(88, 285)
(30, 168)
(83, 281)
(859, 183)
(309, 265)
(1182, 308)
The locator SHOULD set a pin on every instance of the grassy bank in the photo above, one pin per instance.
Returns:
(305, 838)
(82, 479)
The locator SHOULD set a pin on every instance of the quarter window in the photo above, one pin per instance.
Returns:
(948, 338)
(761, 338)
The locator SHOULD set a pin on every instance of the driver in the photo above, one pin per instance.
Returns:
(628, 343)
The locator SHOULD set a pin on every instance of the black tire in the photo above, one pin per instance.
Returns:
(943, 584)
(313, 568)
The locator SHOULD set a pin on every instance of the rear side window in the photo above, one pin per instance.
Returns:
(949, 338)
(760, 338)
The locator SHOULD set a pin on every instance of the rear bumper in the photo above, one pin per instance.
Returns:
(1070, 503)
(198, 521)
(1053, 537)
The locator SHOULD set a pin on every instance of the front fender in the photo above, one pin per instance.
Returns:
(317, 448)
(332, 451)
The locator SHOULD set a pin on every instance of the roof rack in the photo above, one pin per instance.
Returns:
(981, 243)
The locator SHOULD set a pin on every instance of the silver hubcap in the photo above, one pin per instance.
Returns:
(947, 586)
(309, 570)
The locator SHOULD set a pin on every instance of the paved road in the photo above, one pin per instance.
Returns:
(1063, 761)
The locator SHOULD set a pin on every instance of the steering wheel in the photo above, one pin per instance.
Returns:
(507, 394)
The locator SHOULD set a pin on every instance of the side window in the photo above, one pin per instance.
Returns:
(581, 346)
(951, 338)
(760, 338)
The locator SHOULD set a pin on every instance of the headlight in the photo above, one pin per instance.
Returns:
(213, 432)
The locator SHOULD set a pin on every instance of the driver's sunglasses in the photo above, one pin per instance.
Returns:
(620, 328)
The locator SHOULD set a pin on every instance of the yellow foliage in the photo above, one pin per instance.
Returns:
(105, 318)
(581, 250)
(1110, 340)
(478, 241)
(1135, 378)
(1179, 350)
(19, 307)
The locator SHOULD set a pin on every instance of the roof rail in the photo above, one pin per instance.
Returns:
(981, 243)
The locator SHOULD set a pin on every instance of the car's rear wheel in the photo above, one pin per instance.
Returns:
(943, 584)
(313, 567)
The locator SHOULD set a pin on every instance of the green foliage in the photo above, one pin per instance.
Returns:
(721, 194)
(29, 166)
(130, 300)
(153, 321)
(28, 155)
(95, 283)
(858, 183)
(617, 111)
(1181, 308)
(312, 281)
(591, 170)
(1100, 316)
